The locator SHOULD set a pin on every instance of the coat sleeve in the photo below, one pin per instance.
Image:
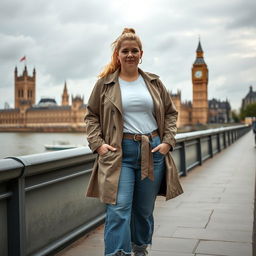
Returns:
(170, 117)
(92, 118)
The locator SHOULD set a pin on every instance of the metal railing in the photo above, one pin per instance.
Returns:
(43, 207)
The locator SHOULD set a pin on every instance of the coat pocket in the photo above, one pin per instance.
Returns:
(105, 156)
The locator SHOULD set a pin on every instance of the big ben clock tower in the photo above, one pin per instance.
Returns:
(200, 91)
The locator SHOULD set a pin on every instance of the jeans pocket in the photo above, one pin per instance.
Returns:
(159, 153)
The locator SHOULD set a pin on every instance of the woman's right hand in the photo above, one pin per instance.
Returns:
(103, 149)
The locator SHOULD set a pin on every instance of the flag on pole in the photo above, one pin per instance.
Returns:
(23, 58)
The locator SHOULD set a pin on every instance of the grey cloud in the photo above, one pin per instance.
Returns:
(87, 12)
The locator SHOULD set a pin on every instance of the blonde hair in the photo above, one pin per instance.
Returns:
(127, 34)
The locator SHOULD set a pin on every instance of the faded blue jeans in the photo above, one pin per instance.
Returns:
(130, 220)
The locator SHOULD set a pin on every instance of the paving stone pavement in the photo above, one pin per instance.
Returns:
(214, 217)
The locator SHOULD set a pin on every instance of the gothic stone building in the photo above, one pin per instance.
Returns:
(250, 98)
(200, 110)
(46, 115)
(219, 111)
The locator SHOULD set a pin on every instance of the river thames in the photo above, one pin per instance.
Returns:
(26, 143)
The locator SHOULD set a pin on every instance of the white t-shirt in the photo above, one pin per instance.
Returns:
(138, 107)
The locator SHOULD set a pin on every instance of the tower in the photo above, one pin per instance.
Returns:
(25, 88)
(200, 88)
(77, 102)
(65, 96)
(176, 98)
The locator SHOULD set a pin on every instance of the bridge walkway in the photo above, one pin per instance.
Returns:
(214, 216)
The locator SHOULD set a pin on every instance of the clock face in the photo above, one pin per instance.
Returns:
(198, 74)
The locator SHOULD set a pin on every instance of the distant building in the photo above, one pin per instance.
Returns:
(219, 111)
(47, 115)
(25, 88)
(184, 109)
(200, 110)
(249, 98)
(200, 88)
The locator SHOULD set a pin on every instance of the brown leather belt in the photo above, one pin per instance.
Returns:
(146, 154)
(138, 137)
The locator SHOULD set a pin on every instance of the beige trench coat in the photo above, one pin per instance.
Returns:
(104, 124)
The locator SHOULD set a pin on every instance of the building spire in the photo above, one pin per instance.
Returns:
(15, 71)
(25, 71)
(199, 47)
(65, 95)
(65, 87)
(199, 54)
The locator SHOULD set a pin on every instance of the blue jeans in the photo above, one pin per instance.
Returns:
(130, 220)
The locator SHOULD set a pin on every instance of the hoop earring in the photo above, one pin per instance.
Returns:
(140, 61)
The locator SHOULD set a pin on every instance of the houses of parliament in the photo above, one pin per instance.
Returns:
(48, 116)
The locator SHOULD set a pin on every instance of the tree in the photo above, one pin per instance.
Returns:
(235, 116)
(249, 111)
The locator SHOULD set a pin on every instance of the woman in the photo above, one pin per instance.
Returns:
(131, 124)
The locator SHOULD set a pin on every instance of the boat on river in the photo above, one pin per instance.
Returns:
(61, 145)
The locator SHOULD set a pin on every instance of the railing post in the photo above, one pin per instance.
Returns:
(210, 146)
(199, 151)
(229, 138)
(218, 142)
(183, 165)
(16, 215)
(224, 139)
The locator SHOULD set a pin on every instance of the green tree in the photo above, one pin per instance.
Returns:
(249, 111)
(235, 116)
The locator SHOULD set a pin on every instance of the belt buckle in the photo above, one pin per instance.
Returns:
(134, 137)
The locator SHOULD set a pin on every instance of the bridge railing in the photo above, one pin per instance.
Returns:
(42, 196)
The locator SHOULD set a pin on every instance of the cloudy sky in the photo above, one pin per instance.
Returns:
(70, 40)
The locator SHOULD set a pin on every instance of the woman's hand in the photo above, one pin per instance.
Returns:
(103, 149)
(163, 148)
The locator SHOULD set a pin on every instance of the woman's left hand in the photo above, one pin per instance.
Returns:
(163, 148)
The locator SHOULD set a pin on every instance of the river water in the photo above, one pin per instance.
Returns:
(26, 143)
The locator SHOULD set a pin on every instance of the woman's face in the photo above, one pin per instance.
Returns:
(129, 54)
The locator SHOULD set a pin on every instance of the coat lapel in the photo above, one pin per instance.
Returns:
(114, 93)
(154, 92)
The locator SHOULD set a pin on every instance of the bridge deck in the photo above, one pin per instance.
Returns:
(213, 217)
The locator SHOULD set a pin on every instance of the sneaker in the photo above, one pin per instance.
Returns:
(145, 253)
(139, 250)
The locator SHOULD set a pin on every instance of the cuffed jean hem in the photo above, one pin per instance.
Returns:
(118, 250)
(142, 245)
